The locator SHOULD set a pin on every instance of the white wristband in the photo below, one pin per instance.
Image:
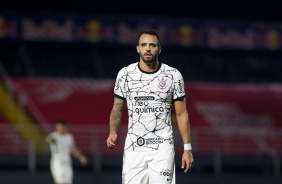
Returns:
(187, 146)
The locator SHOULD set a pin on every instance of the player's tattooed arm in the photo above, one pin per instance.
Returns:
(116, 113)
(115, 119)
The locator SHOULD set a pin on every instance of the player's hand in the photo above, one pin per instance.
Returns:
(187, 160)
(49, 140)
(83, 160)
(111, 140)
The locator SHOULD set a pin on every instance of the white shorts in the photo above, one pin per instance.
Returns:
(61, 172)
(149, 167)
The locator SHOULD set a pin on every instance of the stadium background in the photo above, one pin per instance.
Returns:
(60, 60)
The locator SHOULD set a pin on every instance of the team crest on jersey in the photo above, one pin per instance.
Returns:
(162, 83)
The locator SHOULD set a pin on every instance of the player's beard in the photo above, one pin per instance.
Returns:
(149, 61)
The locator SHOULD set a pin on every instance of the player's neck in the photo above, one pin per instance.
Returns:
(149, 67)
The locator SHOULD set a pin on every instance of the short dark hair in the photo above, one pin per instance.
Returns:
(149, 32)
(62, 122)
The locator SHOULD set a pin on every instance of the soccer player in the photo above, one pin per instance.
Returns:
(150, 89)
(62, 146)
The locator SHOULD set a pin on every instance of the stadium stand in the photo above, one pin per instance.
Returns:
(221, 121)
(10, 142)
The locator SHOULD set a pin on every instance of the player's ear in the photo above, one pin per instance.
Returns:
(160, 49)
(137, 48)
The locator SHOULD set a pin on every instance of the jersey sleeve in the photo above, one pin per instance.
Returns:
(120, 86)
(53, 136)
(179, 88)
(72, 141)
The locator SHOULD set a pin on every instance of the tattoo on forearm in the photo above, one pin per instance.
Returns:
(116, 113)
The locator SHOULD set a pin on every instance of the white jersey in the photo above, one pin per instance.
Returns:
(149, 97)
(61, 147)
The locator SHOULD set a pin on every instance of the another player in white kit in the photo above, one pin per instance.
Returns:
(62, 145)
(150, 88)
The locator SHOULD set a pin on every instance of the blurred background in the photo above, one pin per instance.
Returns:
(59, 59)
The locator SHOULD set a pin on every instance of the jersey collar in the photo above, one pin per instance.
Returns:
(160, 64)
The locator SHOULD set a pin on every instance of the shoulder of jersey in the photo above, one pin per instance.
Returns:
(69, 134)
(167, 68)
(53, 133)
(130, 68)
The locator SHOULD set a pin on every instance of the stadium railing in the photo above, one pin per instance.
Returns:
(205, 140)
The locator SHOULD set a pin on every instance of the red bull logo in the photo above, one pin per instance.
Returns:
(94, 31)
(186, 35)
(47, 29)
(7, 28)
(273, 39)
